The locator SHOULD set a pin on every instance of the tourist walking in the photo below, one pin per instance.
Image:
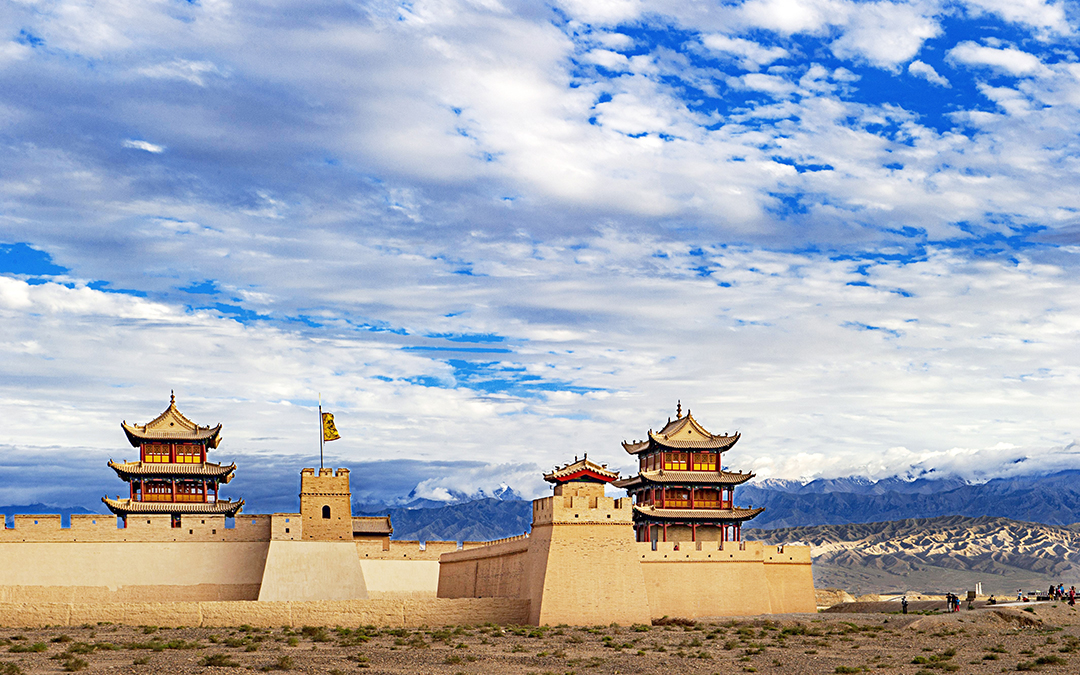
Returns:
(1072, 595)
(903, 604)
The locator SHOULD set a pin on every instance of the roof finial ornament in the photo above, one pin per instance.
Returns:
(172, 397)
(678, 410)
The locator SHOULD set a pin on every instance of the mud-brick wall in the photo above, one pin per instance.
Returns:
(89, 572)
(705, 579)
(791, 581)
(397, 613)
(495, 571)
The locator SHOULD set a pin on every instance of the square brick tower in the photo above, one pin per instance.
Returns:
(326, 505)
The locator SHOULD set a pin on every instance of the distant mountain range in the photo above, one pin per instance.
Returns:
(478, 520)
(1053, 499)
(937, 554)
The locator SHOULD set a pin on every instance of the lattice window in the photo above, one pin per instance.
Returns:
(675, 461)
(155, 452)
(188, 453)
(704, 461)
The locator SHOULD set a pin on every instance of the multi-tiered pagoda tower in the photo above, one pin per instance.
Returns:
(172, 474)
(682, 492)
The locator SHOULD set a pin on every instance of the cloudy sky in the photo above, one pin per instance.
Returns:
(495, 234)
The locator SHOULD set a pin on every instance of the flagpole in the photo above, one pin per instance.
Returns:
(322, 434)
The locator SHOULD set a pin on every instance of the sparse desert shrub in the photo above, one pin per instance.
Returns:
(141, 661)
(219, 661)
(75, 664)
(21, 649)
(676, 621)
(1026, 665)
(848, 669)
(1051, 660)
(10, 669)
(315, 633)
(284, 663)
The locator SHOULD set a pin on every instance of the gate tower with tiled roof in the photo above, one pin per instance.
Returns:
(172, 475)
(682, 492)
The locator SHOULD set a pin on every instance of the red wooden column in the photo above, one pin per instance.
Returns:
(692, 491)
(204, 491)
(173, 481)
(665, 531)
(132, 485)
(693, 532)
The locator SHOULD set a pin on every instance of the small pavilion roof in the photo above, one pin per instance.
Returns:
(582, 469)
(367, 525)
(682, 433)
(171, 426)
(736, 514)
(129, 470)
(123, 507)
(684, 477)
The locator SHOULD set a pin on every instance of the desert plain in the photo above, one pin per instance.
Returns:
(1034, 637)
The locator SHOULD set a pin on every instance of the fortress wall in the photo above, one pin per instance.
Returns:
(581, 567)
(705, 579)
(396, 613)
(119, 571)
(158, 528)
(400, 578)
(791, 581)
(286, 527)
(497, 570)
(312, 570)
(403, 550)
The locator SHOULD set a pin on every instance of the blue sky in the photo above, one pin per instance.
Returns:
(498, 234)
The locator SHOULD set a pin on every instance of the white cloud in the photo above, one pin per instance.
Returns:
(181, 69)
(927, 72)
(350, 184)
(603, 12)
(885, 33)
(1040, 14)
(1008, 60)
(143, 145)
(608, 59)
(794, 16)
(754, 55)
(821, 376)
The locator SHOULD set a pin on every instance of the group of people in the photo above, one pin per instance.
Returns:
(1060, 593)
(1056, 593)
(953, 602)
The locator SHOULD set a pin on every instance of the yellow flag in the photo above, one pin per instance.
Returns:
(329, 431)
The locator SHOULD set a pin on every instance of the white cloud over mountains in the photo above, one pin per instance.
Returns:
(502, 229)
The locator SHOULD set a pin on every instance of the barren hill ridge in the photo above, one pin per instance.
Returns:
(929, 554)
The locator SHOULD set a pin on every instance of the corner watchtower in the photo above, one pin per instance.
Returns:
(582, 566)
(326, 505)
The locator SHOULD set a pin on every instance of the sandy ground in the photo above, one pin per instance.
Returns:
(988, 640)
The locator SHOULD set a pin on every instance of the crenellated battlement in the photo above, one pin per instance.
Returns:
(140, 528)
(580, 510)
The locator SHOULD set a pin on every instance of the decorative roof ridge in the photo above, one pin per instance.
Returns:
(581, 466)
